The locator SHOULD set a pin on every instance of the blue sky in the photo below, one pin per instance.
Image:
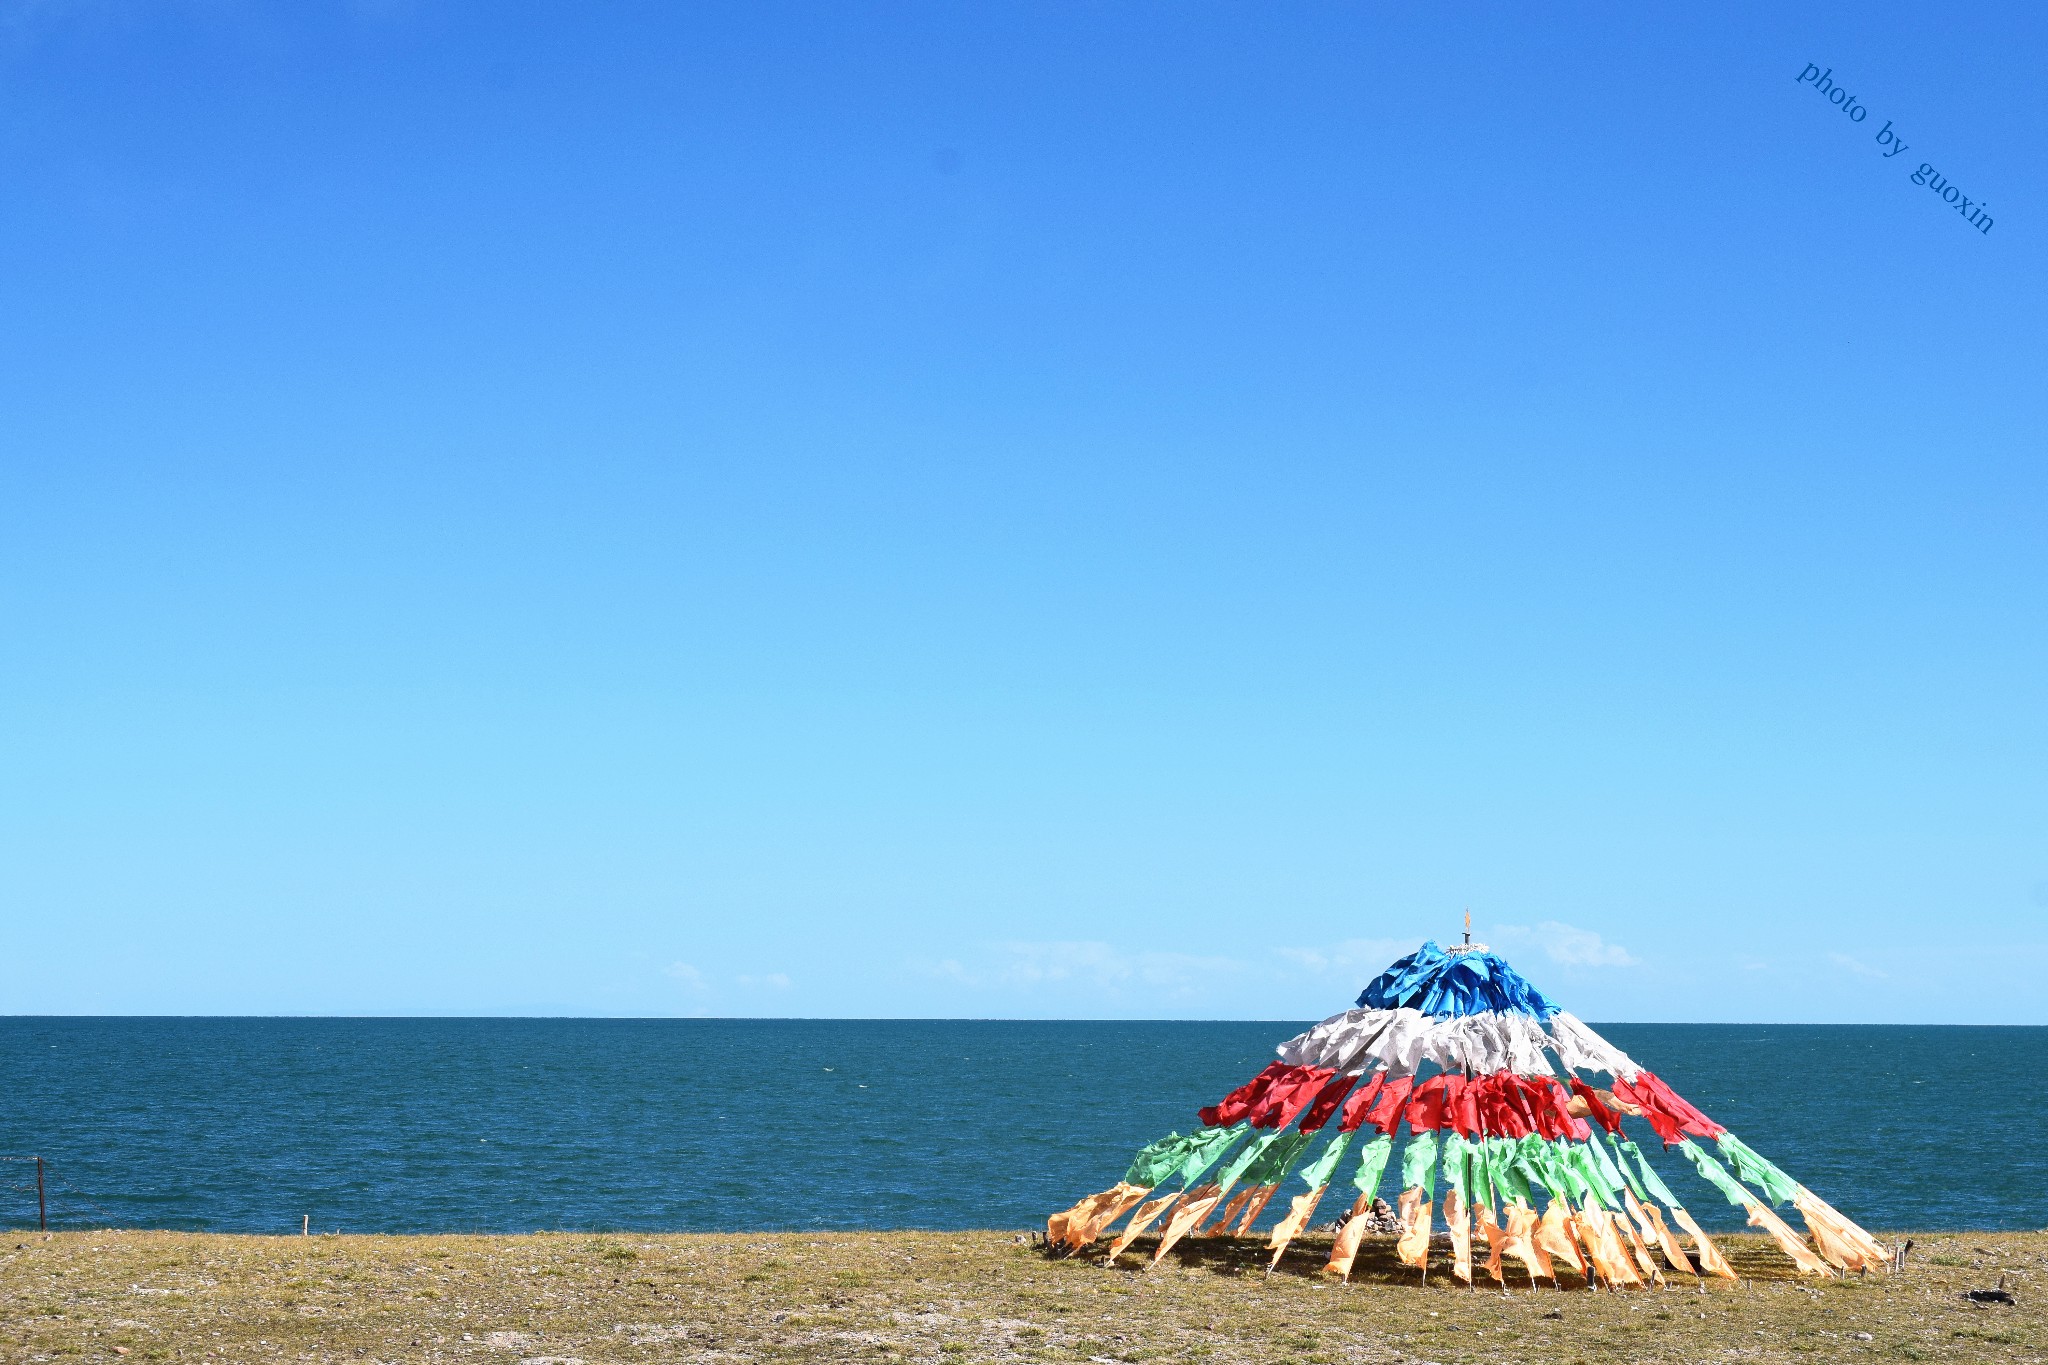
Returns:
(1102, 510)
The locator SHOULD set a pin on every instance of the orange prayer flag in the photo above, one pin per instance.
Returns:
(1711, 1259)
(1413, 1244)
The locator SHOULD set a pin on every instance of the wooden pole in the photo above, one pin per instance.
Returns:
(42, 1208)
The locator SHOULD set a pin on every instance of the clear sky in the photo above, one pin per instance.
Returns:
(1004, 509)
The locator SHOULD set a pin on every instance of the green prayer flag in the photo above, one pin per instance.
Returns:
(1712, 1172)
(1457, 1166)
(1773, 1182)
(1533, 1160)
(1317, 1172)
(1156, 1162)
(1587, 1169)
(1619, 1166)
(1210, 1144)
(1614, 1177)
(1651, 1179)
(1488, 1173)
(1275, 1157)
(1553, 1170)
(1372, 1163)
(1564, 1176)
(1505, 1166)
(1418, 1164)
(1232, 1171)
(1500, 1161)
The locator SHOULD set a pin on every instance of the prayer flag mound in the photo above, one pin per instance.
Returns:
(1484, 1073)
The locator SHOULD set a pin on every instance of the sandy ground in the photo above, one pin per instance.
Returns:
(560, 1299)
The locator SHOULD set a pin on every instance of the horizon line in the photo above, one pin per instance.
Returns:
(964, 1019)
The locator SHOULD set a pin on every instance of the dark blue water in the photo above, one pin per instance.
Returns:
(391, 1125)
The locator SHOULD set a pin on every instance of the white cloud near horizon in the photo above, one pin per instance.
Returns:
(1360, 958)
(1855, 968)
(1026, 964)
(1565, 944)
(1283, 981)
(700, 983)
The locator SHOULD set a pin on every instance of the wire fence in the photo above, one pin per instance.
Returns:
(34, 1185)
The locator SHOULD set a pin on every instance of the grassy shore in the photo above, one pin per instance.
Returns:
(551, 1299)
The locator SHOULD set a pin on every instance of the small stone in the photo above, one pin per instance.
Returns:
(1555, 1315)
(1865, 1336)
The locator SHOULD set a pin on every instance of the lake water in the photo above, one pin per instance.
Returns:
(510, 1125)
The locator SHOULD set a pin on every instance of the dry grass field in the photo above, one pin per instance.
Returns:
(951, 1298)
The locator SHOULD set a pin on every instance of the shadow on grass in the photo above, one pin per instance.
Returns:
(1376, 1262)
